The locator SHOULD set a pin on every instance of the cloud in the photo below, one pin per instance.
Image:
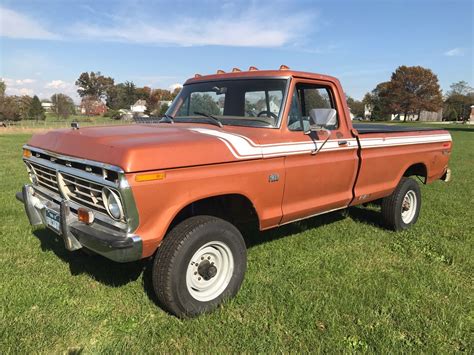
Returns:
(57, 84)
(175, 86)
(254, 27)
(16, 25)
(455, 52)
(44, 89)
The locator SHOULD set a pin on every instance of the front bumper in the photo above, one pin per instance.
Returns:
(115, 245)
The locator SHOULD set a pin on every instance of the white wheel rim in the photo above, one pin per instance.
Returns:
(200, 284)
(409, 205)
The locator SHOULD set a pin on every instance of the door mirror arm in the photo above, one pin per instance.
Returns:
(318, 130)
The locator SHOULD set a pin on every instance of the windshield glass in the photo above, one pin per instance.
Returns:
(239, 102)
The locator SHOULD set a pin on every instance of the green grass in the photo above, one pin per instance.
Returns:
(52, 121)
(337, 283)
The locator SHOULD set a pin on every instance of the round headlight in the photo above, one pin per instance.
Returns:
(112, 203)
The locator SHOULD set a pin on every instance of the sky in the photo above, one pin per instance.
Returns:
(46, 44)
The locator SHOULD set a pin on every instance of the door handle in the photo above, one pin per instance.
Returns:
(342, 142)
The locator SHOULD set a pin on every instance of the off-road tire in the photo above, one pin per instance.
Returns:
(173, 257)
(392, 205)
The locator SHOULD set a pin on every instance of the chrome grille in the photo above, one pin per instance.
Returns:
(46, 177)
(82, 191)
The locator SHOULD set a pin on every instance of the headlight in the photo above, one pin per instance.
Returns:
(112, 203)
(31, 174)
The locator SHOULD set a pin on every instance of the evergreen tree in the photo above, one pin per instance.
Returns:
(36, 110)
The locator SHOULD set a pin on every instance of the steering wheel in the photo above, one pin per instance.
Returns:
(268, 113)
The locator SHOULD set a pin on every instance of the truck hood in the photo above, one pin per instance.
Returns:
(141, 147)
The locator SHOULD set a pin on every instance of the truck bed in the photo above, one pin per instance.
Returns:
(364, 128)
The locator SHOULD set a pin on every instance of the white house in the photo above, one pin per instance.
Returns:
(47, 106)
(138, 107)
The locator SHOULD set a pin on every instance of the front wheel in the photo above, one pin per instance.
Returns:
(401, 209)
(199, 264)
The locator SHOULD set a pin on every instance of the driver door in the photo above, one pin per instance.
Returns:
(321, 182)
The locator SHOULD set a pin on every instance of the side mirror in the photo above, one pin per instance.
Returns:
(322, 119)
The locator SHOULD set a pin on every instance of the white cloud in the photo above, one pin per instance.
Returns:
(57, 84)
(455, 52)
(175, 86)
(254, 27)
(16, 25)
(19, 91)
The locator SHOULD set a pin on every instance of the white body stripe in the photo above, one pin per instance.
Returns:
(244, 148)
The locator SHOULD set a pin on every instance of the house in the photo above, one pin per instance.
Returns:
(138, 107)
(426, 116)
(92, 107)
(47, 106)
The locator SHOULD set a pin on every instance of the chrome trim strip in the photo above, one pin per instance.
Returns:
(74, 159)
(72, 171)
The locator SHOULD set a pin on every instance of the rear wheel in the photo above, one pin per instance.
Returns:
(401, 209)
(199, 264)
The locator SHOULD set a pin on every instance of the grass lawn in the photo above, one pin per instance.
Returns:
(335, 283)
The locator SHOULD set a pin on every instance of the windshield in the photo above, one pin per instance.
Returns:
(239, 102)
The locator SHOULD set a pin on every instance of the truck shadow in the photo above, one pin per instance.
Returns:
(101, 269)
(116, 274)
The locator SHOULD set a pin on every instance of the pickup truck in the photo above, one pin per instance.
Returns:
(246, 148)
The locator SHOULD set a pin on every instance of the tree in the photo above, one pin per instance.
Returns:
(357, 107)
(458, 101)
(377, 102)
(94, 84)
(63, 106)
(412, 90)
(36, 111)
(3, 88)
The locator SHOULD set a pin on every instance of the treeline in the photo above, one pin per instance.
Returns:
(95, 86)
(16, 108)
(412, 90)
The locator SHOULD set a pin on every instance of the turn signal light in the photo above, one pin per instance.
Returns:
(150, 177)
(85, 216)
(26, 153)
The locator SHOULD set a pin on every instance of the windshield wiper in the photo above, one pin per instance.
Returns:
(214, 120)
(166, 119)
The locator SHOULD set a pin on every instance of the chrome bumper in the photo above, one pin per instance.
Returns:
(114, 245)
(447, 175)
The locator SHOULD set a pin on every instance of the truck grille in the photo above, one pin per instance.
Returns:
(46, 177)
(82, 192)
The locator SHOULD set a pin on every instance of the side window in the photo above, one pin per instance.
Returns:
(307, 98)
(263, 102)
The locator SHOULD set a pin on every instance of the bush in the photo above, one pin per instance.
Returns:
(113, 114)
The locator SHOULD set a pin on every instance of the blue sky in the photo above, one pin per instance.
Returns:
(46, 44)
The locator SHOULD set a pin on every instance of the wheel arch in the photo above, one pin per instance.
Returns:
(235, 208)
(417, 169)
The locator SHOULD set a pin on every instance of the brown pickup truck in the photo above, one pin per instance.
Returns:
(255, 147)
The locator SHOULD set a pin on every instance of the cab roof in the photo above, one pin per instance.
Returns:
(255, 73)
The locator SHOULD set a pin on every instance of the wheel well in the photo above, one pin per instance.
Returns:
(234, 208)
(418, 169)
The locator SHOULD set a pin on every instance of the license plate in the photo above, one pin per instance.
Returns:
(53, 220)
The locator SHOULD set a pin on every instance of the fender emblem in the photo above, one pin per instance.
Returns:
(273, 178)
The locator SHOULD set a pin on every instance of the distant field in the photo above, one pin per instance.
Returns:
(51, 122)
(335, 283)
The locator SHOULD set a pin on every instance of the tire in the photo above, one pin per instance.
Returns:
(199, 264)
(401, 209)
